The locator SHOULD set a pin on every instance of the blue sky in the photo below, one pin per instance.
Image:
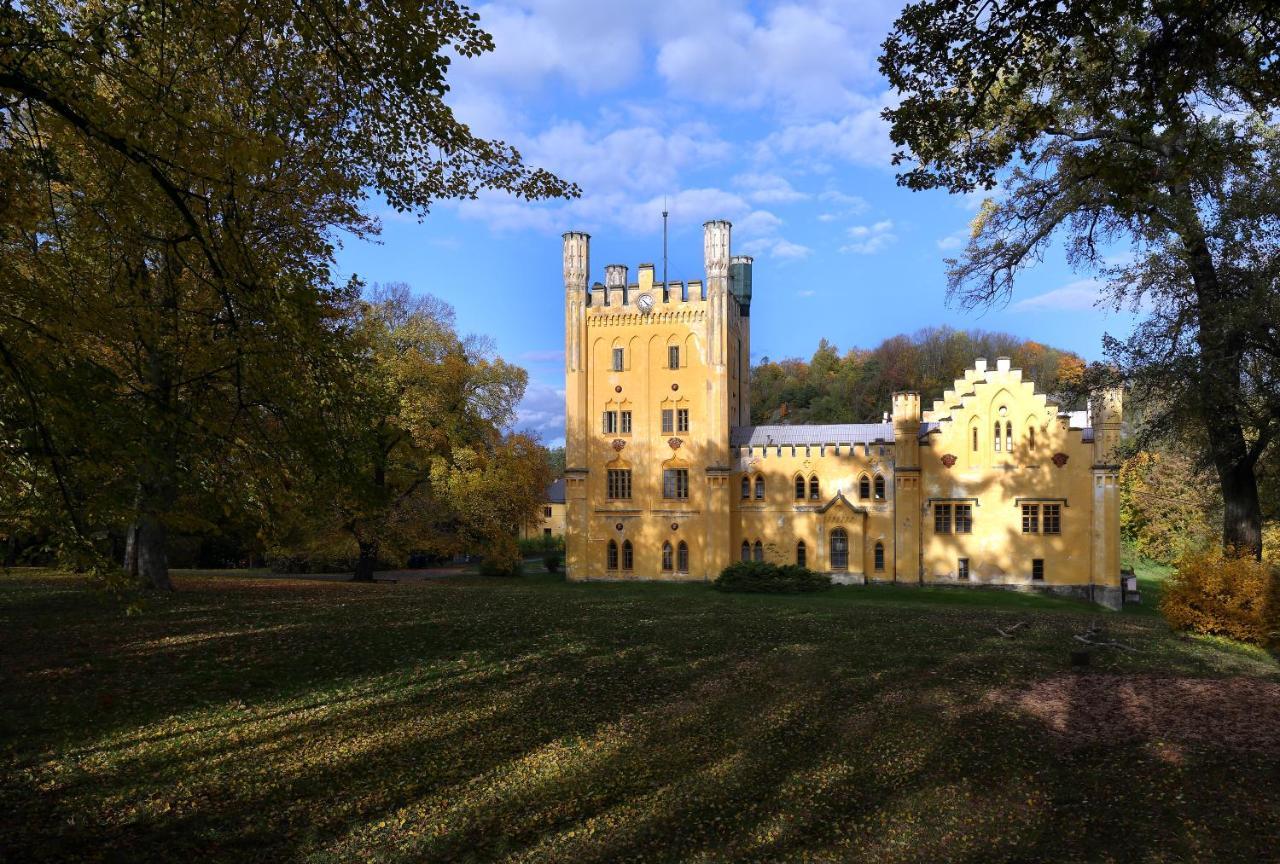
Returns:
(763, 114)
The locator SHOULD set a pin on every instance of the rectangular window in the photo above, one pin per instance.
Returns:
(941, 518)
(962, 569)
(617, 359)
(1052, 519)
(546, 533)
(1030, 519)
(675, 483)
(668, 421)
(619, 483)
(546, 512)
(673, 357)
(964, 518)
(609, 424)
(682, 420)
(626, 422)
(1037, 570)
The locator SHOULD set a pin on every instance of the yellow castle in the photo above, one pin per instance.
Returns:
(666, 478)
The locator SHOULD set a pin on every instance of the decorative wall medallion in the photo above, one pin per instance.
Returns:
(618, 526)
(675, 526)
(948, 460)
(618, 444)
(1060, 459)
(617, 388)
(674, 443)
(675, 386)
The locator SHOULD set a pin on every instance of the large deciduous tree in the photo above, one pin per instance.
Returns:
(1150, 123)
(173, 179)
(420, 457)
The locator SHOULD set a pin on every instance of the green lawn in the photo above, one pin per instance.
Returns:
(251, 719)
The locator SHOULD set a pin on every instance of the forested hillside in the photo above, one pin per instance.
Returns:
(855, 387)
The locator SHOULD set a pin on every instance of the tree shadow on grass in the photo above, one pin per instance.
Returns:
(463, 722)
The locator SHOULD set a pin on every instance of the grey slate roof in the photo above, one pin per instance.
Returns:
(835, 433)
(555, 492)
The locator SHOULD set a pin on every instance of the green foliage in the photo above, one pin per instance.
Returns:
(532, 547)
(765, 577)
(1168, 505)
(856, 387)
(1222, 594)
(175, 178)
(502, 560)
(417, 458)
(552, 561)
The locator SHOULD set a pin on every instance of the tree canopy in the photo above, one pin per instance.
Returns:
(174, 178)
(1148, 125)
(856, 387)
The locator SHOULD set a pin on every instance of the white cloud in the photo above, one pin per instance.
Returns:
(808, 292)
(776, 247)
(1073, 297)
(870, 239)
(955, 240)
(860, 137)
(768, 188)
(800, 59)
(542, 413)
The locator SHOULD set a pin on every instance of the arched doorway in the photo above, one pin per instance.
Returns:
(839, 549)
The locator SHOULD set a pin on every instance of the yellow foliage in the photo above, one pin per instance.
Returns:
(1225, 595)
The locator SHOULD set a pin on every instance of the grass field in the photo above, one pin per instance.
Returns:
(464, 719)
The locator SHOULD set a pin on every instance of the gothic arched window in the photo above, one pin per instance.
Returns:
(682, 557)
(612, 562)
(996, 439)
(800, 554)
(628, 556)
(746, 487)
(839, 549)
(746, 551)
(757, 552)
(864, 487)
(759, 486)
(799, 487)
(667, 557)
(879, 556)
(813, 487)
(879, 488)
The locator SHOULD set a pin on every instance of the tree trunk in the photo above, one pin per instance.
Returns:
(367, 562)
(1221, 397)
(131, 551)
(152, 557)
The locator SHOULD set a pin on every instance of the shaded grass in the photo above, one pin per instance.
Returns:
(474, 719)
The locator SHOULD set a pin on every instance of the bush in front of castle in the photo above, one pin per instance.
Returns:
(765, 577)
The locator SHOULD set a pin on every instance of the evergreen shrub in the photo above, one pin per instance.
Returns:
(765, 577)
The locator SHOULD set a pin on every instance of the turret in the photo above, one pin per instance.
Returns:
(740, 281)
(906, 429)
(577, 269)
(1106, 413)
(615, 284)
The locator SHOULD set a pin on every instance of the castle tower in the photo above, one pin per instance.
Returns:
(740, 288)
(1106, 413)
(908, 508)
(577, 267)
(716, 256)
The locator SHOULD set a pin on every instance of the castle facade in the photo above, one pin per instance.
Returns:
(666, 477)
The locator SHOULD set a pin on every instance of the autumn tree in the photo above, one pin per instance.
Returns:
(1149, 124)
(417, 454)
(173, 180)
